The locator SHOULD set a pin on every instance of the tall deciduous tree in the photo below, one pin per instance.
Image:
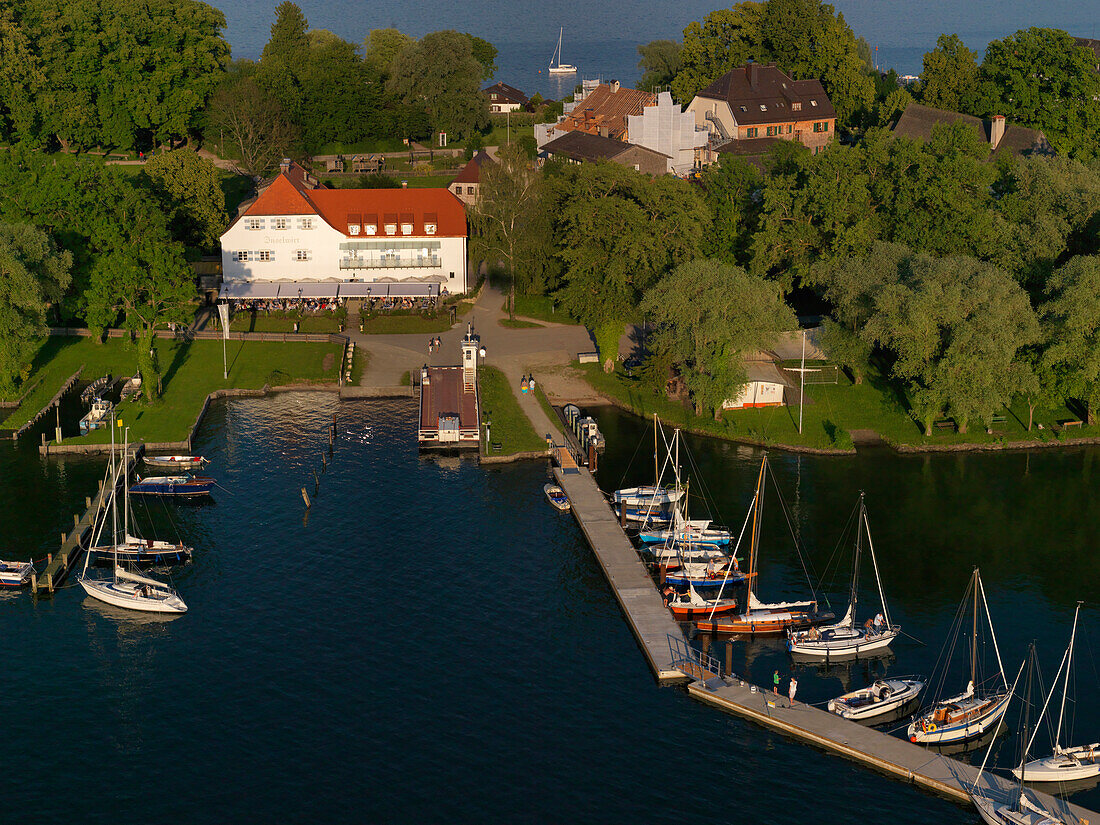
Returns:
(381, 49)
(254, 123)
(33, 273)
(1071, 330)
(725, 39)
(949, 79)
(484, 53)
(21, 81)
(441, 74)
(709, 315)
(659, 62)
(189, 189)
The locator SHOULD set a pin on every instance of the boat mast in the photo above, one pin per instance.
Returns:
(854, 595)
(656, 465)
(992, 634)
(1069, 664)
(114, 502)
(874, 563)
(757, 517)
(126, 483)
(974, 636)
(1023, 730)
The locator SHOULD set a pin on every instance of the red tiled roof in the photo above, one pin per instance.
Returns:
(340, 207)
(604, 112)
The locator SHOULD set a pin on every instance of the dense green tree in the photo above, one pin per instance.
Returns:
(619, 231)
(289, 39)
(125, 73)
(1071, 330)
(338, 102)
(949, 79)
(1042, 78)
(732, 188)
(21, 81)
(33, 273)
(251, 121)
(956, 328)
(440, 74)
(191, 196)
(709, 315)
(382, 47)
(724, 40)
(484, 53)
(659, 62)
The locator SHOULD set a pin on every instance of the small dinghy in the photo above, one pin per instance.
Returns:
(884, 697)
(175, 462)
(180, 486)
(690, 605)
(15, 573)
(556, 496)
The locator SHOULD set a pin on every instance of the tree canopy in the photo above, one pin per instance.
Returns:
(440, 74)
(659, 62)
(949, 79)
(189, 189)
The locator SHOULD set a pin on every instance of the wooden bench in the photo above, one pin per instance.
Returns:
(946, 424)
(1065, 425)
(1000, 419)
(497, 446)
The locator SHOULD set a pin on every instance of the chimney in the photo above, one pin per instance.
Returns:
(614, 85)
(284, 165)
(996, 131)
(754, 74)
(404, 184)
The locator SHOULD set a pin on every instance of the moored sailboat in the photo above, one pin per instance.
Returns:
(556, 66)
(975, 711)
(845, 638)
(882, 698)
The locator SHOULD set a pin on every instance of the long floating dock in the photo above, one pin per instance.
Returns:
(72, 545)
(630, 582)
(889, 754)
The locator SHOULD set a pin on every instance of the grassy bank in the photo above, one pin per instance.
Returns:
(510, 426)
(322, 322)
(406, 322)
(191, 370)
(831, 412)
(540, 308)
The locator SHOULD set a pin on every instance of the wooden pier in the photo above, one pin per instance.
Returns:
(53, 402)
(630, 582)
(888, 754)
(73, 544)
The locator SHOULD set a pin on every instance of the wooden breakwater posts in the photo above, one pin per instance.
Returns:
(639, 600)
(73, 543)
(887, 754)
(53, 402)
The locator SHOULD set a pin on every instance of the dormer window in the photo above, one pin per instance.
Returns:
(763, 108)
(406, 224)
(813, 102)
(797, 106)
(390, 224)
(744, 108)
(429, 223)
(391, 229)
(353, 229)
(372, 229)
(429, 228)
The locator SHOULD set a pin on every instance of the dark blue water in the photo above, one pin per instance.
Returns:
(601, 38)
(435, 643)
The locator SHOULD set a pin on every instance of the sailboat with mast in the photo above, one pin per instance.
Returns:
(975, 711)
(556, 66)
(759, 618)
(989, 801)
(125, 589)
(1064, 764)
(845, 638)
(649, 504)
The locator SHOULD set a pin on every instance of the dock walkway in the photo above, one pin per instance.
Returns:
(630, 582)
(889, 754)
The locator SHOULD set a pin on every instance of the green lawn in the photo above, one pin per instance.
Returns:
(517, 323)
(836, 409)
(400, 322)
(541, 308)
(511, 427)
(284, 322)
(190, 372)
(544, 402)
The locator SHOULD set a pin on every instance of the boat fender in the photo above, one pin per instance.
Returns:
(931, 728)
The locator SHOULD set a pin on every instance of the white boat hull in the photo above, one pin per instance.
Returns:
(841, 643)
(1069, 765)
(869, 703)
(993, 813)
(127, 595)
(15, 573)
(925, 731)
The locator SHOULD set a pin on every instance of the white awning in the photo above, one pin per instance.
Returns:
(309, 289)
(250, 290)
(389, 289)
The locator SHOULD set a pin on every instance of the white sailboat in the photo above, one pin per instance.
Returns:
(990, 801)
(649, 504)
(1064, 764)
(973, 712)
(884, 696)
(845, 638)
(125, 589)
(556, 66)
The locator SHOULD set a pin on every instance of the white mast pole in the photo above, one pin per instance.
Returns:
(1069, 664)
(802, 382)
(874, 562)
(992, 633)
(994, 741)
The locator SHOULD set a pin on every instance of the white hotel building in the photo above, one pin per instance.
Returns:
(297, 239)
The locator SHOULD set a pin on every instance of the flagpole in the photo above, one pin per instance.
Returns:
(223, 316)
(802, 384)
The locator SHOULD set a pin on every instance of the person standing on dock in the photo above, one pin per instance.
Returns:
(775, 683)
(792, 689)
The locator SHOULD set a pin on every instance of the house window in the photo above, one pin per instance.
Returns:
(770, 131)
(255, 223)
(752, 132)
(372, 228)
(452, 276)
(797, 106)
(825, 126)
(790, 128)
(471, 190)
(406, 229)
(265, 255)
(744, 108)
(303, 255)
(280, 223)
(429, 228)
(241, 256)
(763, 108)
(353, 229)
(813, 103)
(305, 223)
(391, 229)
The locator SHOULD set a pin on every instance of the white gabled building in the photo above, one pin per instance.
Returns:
(298, 239)
(664, 128)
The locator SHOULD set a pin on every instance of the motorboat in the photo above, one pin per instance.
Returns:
(95, 418)
(15, 573)
(884, 697)
(557, 497)
(975, 711)
(846, 639)
(180, 486)
(690, 605)
(175, 462)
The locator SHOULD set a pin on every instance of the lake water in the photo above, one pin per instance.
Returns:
(601, 38)
(434, 643)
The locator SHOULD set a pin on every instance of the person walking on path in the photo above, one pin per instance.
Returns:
(775, 683)
(792, 689)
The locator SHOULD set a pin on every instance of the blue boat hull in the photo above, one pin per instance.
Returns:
(194, 487)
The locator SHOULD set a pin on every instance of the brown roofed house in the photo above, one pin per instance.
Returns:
(468, 180)
(604, 111)
(581, 147)
(1004, 138)
(505, 98)
(760, 101)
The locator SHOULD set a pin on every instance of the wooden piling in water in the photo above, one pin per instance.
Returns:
(305, 498)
